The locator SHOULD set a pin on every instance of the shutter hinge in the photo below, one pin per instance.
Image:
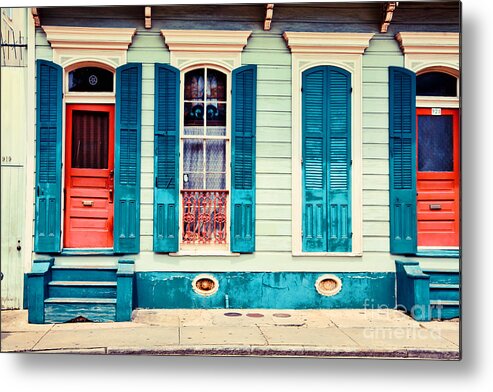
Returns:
(351, 162)
(302, 89)
(301, 233)
(302, 160)
(351, 235)
(351, 91)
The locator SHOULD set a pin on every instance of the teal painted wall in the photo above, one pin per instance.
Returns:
(281, 290)
(268, 50)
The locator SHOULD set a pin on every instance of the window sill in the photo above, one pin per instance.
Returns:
(326, 254)
(201, 253)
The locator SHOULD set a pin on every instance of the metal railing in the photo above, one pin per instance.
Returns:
(204, 216)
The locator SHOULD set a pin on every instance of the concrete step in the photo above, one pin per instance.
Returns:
(444, 292)
(82, 289)
(60, 310)
(443, 310)
(83, 273)
(443, 276)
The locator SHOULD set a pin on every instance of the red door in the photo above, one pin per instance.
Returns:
(438, 173)
(89, 161)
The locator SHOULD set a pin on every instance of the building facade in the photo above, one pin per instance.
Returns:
(244, 156)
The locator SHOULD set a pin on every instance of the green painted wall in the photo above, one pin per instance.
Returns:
(273, 243)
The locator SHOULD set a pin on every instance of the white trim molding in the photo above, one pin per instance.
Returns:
(192, 47)
(81, 44)
(346, 51)
(347, 43)
(425, 50)
(206, 40)
(89, 37)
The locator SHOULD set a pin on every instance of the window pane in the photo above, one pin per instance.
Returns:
(435, 144)
(194, 85)
(216, 115)
(89, 140)
(90, 79)
(216, 155)
(216, 181)
(193, 155)
(193, 181)
(436, 84)
(194, 114)
(216, 85)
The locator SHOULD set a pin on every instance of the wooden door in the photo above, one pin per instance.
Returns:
(438, 174)
(89, 160)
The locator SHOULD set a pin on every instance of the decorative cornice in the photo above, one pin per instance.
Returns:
(205, 40)
(348, 43)
(89, 37)
(443, 43)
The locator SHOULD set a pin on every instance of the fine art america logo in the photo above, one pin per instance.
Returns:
(93, 80)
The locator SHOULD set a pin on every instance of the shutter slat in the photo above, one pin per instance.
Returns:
(244, 93)
(47, 238)
(402, 146)
(127, 158)
(166, 158)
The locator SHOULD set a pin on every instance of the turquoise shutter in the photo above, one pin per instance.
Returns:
(339, 158)
(326, 164)
(402, 152)
(47, 237)
(244, 112)
(166, 157)
(314, 163)
(127, 158)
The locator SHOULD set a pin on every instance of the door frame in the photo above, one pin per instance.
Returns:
(67, 155)
(456, 176)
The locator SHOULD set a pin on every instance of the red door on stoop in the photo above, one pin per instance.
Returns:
(438, 174)
(89, 169)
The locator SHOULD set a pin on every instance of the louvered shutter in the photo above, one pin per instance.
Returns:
(244, 94)
(402, 152)
(326, 165)
(166, 157)
(127, 158)
(47, 238)
(314, 162)
(339, 158)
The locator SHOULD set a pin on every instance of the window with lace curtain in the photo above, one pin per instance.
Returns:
(204, 145)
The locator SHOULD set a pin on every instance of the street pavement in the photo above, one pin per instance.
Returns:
(342, 333)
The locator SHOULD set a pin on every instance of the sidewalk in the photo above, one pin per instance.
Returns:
(283, 333)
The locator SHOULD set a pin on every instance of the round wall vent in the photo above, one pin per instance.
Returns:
(205, 285)
(328, 285)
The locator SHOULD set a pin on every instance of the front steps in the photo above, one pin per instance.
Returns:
(444, 293)
(428, 294)
(59, 294)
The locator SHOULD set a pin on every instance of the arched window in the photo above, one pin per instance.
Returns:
(205, 152)
(204, 131)
(438, 84)
(90, 79)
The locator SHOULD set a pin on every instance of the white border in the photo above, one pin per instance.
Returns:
(74, 47)
(342, 50)
(220, 50)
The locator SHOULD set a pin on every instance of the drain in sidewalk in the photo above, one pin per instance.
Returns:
(232, 314)
(257, 315)
(282, 315)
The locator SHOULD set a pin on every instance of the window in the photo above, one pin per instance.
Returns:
(326, 163)
(437, 84)
(90, 79)
(204, 136)
(205, 145)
